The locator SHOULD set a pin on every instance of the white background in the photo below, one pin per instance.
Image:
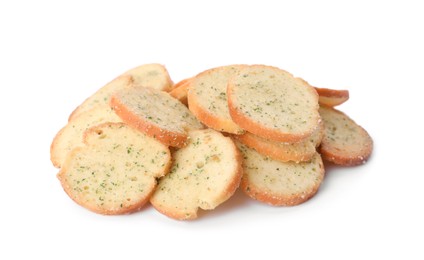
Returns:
(54, 54)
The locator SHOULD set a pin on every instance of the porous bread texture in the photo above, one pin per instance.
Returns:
(180, 89)
(102, 96)
(279, 183)
(203, 175)
(271, 103)
(115, 172)
(155, 113)
(71, 135)
(345, 142)
(332, 97)
(151, 75)
(298, 152)
(207, 98)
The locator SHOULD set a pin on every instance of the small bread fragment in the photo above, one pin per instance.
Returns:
(180, 89)
(155, 113)
(280, 183)
(332, 97)
(207, 98)
(298, 152)
(271, 103)
(102, 96)
(203, 175)
(116, 171)
(151, 75)
(71, 135)
(345, 142)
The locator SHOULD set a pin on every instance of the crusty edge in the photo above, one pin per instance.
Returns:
(164, 136)
(273, 151)
(227, 193)
(77, 111)
(332, 97)
(53, 158)
(336, 157)
(124, 210)
(250, 125)
(272, 199)
(180, 92)
(217, 123)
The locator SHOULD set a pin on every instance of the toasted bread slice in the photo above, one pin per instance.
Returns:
(298, 152)
(71, 135)
(116, 171)
(155, 113)
(102, 96)
(152, 75)
(345, 142)
(280, 183)
(203, 175)
(332, 97)
(180, 89)
(271, 103)
(207, 98)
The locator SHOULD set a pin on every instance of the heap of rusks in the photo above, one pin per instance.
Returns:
(192, 144)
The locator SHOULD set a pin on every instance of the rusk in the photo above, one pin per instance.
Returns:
(115, 172)
(203, 175)
(345, 142)
(280, 183)
(271, 103)
(155, 113)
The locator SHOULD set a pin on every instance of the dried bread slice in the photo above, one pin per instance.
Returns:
(116, 171)
(207, 98)
(280, 183)
(271, 103)
(155, 113)
(332, 97)
(71, 135)
(180, 89)
(203, 175)
(102, 96)
(298, 152)
(345, 142)
(151, 75)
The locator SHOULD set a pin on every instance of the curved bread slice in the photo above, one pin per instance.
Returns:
(280, 183)
(207, 98)
(332, 97)
(344, 142)
(298, 152)
(180, 89)
(155, 113)
(204, 174)
(116, 171)
(102, 96)
(71, 135)
(151, 75)
(271, 103)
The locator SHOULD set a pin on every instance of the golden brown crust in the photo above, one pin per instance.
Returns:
(217, 123)
(333, 150)
(164, 136)
(245, 121)
(280, 198)
(332, 97)
(126, 206)
(297, 152)
(54, 158)
(250, 125)
(179, 90)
